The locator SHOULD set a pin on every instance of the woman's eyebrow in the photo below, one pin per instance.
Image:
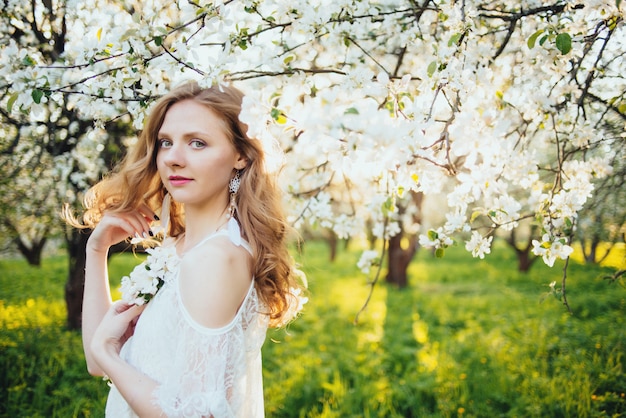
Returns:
(187, 134)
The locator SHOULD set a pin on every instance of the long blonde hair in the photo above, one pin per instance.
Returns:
(136, 181)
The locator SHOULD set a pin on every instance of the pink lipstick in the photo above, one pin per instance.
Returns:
(178, 180)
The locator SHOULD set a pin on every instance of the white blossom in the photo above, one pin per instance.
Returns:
(479, 245)
(368, 259)
(549, 249)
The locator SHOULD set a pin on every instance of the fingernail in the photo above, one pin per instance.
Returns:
(156, 218)
(143, 234)
(151, 233)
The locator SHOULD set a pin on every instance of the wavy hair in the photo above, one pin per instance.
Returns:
(259, 211)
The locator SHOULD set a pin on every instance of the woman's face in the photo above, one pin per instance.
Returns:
(195, 157)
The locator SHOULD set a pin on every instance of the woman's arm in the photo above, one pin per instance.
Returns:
(96, 301)
(111, 229)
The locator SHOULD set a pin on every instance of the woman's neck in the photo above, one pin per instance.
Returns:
(201, 223)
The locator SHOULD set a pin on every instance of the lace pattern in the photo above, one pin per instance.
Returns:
(203, 372)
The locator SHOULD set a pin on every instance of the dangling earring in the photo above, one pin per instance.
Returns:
(234, 231)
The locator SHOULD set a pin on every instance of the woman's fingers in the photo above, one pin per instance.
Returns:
(117, 325)
(145, 217)
(115, 227)
(141, 227)
(138, 221)
(129, 312)
(148, 213)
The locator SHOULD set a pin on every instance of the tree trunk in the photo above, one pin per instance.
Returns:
(593, 251)
(76, 242)
(331, 239)
(399, 260)
(525, 259)
(33, 252)
(592, 257)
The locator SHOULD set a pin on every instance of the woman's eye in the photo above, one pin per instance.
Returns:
(164, 143)
(196, 143)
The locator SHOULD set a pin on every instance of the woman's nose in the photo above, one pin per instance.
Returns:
(174, 155)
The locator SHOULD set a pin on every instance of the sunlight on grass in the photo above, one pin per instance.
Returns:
(32, 313)
(616, 258)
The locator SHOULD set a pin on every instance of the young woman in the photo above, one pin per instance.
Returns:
(186, 340)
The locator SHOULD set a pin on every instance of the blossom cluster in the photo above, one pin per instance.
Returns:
(148, 277)
(549, 249)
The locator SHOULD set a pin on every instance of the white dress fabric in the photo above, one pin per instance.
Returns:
(202, 372)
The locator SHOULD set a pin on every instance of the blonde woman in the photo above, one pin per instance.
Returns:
(186, 339)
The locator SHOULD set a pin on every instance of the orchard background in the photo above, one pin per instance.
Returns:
(407, 135)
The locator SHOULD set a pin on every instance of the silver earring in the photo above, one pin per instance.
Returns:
(233, 188)
(235, 182)
(234, 230)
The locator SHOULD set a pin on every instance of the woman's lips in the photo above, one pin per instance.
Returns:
(178, 180)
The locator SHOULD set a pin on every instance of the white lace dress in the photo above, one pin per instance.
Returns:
(202, 372)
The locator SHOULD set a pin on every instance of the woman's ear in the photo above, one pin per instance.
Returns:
(242, 162)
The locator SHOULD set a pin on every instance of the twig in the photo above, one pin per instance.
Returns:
(376, 278)
(563, 280)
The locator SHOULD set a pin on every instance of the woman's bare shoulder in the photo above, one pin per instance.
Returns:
(214, 280)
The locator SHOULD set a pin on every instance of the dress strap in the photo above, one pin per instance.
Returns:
(221, 232)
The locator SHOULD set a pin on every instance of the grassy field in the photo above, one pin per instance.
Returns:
(468, 338)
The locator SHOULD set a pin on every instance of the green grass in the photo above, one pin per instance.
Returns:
(468, 338)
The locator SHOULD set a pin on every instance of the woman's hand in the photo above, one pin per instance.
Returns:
(116, 327)
(116, 227)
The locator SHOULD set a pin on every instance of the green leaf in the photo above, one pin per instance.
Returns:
(11, 101)
(158, 40)
(533, 39)
(543, 40)
(351, 111)
(475, 215)
(28, 61)
(439, 252)
(432, 235)
(564, 43)
(432, 67)
(454, 39)
(37, 95)
(288, 59)
(389, 206)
